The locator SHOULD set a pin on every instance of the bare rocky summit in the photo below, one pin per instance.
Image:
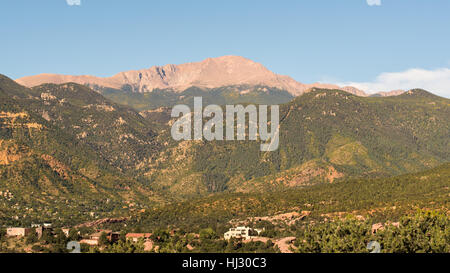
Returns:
(210, 73)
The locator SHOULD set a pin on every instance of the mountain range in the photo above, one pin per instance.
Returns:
(105, 143)
(211, 73)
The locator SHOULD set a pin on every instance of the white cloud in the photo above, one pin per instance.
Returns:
(436, 81)
(374, 2)
(73, 2)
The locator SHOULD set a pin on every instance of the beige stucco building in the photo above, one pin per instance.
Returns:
(19, 232)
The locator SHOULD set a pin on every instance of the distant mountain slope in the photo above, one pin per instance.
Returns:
(325, 135)
(118, 134)
(211, 73)
(221, 96)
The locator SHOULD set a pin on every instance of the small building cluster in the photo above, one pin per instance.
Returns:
(38, 229)
(91, 240)
(94, 239)
(242, 233)
(135, 237)
(146, 237)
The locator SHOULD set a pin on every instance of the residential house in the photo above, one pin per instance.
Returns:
(238, 233)
(90, 242)
(18, 231)
(94, 238)
(40, 230)
(134, 237)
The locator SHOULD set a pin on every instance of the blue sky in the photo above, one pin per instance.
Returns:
(397, 44)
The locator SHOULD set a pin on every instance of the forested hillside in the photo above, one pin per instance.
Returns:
(220, 96)
(382, 199)
(66, 152)
(324, 136)
(69, 154)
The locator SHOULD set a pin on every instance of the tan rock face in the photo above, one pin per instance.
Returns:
(210, 73)
(11, 152)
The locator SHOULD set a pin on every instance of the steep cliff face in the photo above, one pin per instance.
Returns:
(210, 73)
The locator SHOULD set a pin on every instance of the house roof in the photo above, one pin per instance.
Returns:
(138, 235)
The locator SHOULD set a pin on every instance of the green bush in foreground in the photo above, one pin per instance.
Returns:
(425, 232)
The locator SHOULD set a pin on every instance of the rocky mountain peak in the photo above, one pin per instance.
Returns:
(210, 73)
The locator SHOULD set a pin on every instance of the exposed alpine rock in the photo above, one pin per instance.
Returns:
(210, 73)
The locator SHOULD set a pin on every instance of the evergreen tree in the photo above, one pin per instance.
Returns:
(103, 241)
(47, 237)
(31, 238)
